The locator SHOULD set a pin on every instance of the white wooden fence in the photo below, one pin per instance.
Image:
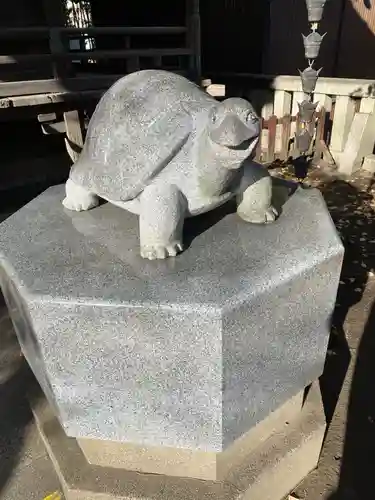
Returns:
(342, 98)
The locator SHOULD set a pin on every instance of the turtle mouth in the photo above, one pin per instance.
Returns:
(244, 145)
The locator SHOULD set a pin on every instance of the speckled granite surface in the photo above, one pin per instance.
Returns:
(190, 352)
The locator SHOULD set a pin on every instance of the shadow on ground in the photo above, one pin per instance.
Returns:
(353, 212)
(348, 475)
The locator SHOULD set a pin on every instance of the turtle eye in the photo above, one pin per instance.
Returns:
(213, 117)
(251, 117)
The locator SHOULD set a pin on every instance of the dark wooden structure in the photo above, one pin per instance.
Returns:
(346, 51)
(43, 76)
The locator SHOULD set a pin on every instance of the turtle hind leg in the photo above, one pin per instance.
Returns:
(78, 198)
(162, 214)
(254, 200)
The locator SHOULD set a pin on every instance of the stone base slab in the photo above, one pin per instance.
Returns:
(185, 462)
(267, 472)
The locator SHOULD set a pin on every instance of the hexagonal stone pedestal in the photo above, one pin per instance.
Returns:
(190, 353)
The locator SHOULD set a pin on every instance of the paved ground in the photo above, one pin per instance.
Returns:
(347, 463)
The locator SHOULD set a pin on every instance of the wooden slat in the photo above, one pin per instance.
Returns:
(295, 127)
(95, 54)
(53, 128)
(285, 137)
(133, 64)
(43, 31)
(44, 99)
(352, 87)
(92, 82)
(61, 68)
(127, 30)
(157, 61)
(258, 152)
(367, 105)
(282, 103)
(193, 38)
(282, 107)
(311, 128)
(272, 123)
(319, 136)
(22, 58)
(324, 101)
(342, 120)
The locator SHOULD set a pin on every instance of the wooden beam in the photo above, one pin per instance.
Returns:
(193, 38)
(129, 30)
(43, 31)
(48, 99)
(32, 32)
(95, 54)
(91, 82)
(352, 87)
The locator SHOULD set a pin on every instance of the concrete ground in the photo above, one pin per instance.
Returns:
(347, 462)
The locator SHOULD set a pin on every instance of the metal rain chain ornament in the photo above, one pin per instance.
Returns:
(309, 77)
(303, 140)
(315, 10)
(306, 110)
(312, 44)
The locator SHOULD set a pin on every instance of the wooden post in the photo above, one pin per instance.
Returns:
(296, 125)
(282, 103)
(342, 120)
(285, 137)
(133, 63)
(297, 97)
(272, 123)
(324, 101)
(61, 68)
(367, 105)
(193, 23)
(55, 17)
(319, 136)
(258, 154)
(282, 107)
(74, 136)
(313, 131)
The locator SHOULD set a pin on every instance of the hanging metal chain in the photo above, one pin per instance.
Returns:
(309, 76)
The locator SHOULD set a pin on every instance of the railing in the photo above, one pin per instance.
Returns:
(279, 96)
(63, 60)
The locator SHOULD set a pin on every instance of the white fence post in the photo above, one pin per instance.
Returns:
(282, 106)
(342, 120)
(367, 105)
(324, 101)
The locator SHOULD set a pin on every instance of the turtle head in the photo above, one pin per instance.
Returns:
(234, 124)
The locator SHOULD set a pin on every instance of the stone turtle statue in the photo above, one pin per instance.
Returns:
(159, 146)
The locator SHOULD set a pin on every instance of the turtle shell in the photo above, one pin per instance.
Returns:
(137, 128)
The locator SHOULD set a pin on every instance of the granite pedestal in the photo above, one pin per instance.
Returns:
(172, 361)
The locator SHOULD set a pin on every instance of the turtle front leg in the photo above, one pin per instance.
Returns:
(162, 213)
(78, 198)
(254, 199)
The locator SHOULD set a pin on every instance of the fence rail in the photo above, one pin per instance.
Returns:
(95, 54)
(343, 100)
(65, 50)
(44, 32)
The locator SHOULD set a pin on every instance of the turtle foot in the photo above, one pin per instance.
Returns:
(153, 252)
(260, 217)
(78, 198)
